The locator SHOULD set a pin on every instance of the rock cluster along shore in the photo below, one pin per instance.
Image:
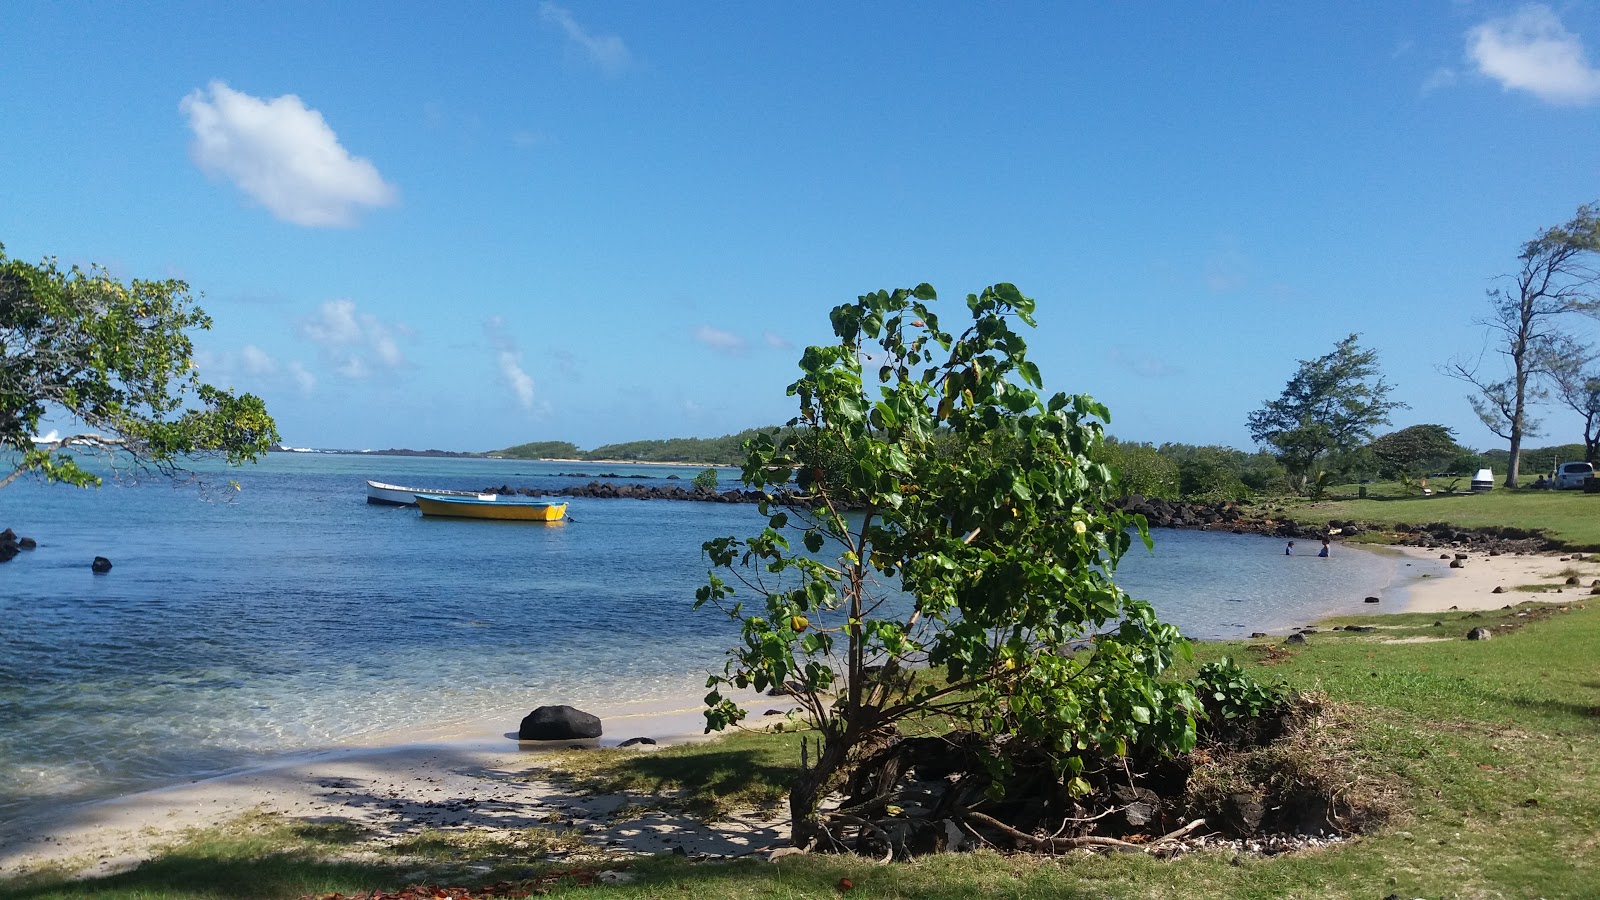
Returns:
(1238, 517)
(11, 544)
(607, 491)
(1244, 517)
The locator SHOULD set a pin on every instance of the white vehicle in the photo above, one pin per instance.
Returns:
(1571, 475)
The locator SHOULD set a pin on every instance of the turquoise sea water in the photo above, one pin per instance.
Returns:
(297, 617)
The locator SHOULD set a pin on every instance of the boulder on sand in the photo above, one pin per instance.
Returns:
(558, 723)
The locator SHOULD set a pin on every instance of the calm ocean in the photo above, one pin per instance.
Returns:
(296, 617)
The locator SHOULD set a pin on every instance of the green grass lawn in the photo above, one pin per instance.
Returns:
(1571, 517)
(1493, 748)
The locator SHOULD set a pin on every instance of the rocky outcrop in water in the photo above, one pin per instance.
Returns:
(11, 544)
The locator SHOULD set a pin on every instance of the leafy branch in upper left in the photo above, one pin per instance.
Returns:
(117, 360)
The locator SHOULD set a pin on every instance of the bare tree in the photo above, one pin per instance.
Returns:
(1558, 277)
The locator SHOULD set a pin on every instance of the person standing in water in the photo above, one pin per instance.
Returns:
(1289, 550)
(1324, 551)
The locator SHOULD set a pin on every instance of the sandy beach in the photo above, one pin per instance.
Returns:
(486, 779)
(1430, 585)
(482, 778)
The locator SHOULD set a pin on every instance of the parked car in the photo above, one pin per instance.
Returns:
(1570, 476)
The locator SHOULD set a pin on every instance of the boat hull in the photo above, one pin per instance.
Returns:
(465, 508)
(395, 495)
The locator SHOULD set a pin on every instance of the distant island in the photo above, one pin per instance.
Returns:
(718, 451)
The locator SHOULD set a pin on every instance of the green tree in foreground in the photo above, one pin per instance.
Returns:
(116, 359)
(987, 558)
(1560, 275)
(1332, 404)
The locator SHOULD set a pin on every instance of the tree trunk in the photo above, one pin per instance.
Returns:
(807, 830)
(1516, 458)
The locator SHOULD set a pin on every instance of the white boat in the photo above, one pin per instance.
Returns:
(395, 495)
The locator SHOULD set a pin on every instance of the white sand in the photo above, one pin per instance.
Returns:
(1432, 586)
(482, 780)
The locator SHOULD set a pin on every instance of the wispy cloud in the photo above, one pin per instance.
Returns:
(605, 50)
(1439, 79)
(721, 341)
(1146, 366)
(509, 358)
(357, 344)
(256, 361)
(776, 341)
(256, 365)
(283, 155)
(1530, 50)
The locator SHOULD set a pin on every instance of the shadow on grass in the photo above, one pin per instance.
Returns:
(711, 783)
(187, 873)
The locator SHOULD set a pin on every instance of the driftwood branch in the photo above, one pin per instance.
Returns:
(1075, 843)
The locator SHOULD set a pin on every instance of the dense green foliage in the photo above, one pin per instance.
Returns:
(1002, 538)
(706, 479)
(1143, 469)
(1331, 404)
(1227, 691)
(542, 450)
(1415, 451)
(117, 359)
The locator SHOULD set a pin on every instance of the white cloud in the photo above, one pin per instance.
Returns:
(719, 340)
(605, 50)
(516, 379)
(1530, 50)
(283, 155)
(357, 343)
(1439, 79)
(303, 380)
(776, 341)
(256, 361)
(257, 364)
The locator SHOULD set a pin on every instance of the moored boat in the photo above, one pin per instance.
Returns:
(395, 495)
(467, 508)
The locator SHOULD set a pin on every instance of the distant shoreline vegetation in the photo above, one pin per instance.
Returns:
(1168, 471)
(718, 451)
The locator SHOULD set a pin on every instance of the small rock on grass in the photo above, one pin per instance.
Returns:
(1479, 634)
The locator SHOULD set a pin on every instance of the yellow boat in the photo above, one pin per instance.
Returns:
(466, 508)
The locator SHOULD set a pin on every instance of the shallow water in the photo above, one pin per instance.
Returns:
(296, 616)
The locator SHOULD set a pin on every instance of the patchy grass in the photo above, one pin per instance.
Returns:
(742, 771)
(1571, 517)
(1491, 750)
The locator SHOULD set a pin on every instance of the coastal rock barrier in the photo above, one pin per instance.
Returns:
(605, 490)
(1237, 517)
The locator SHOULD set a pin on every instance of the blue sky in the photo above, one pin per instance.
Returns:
(471, 226)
